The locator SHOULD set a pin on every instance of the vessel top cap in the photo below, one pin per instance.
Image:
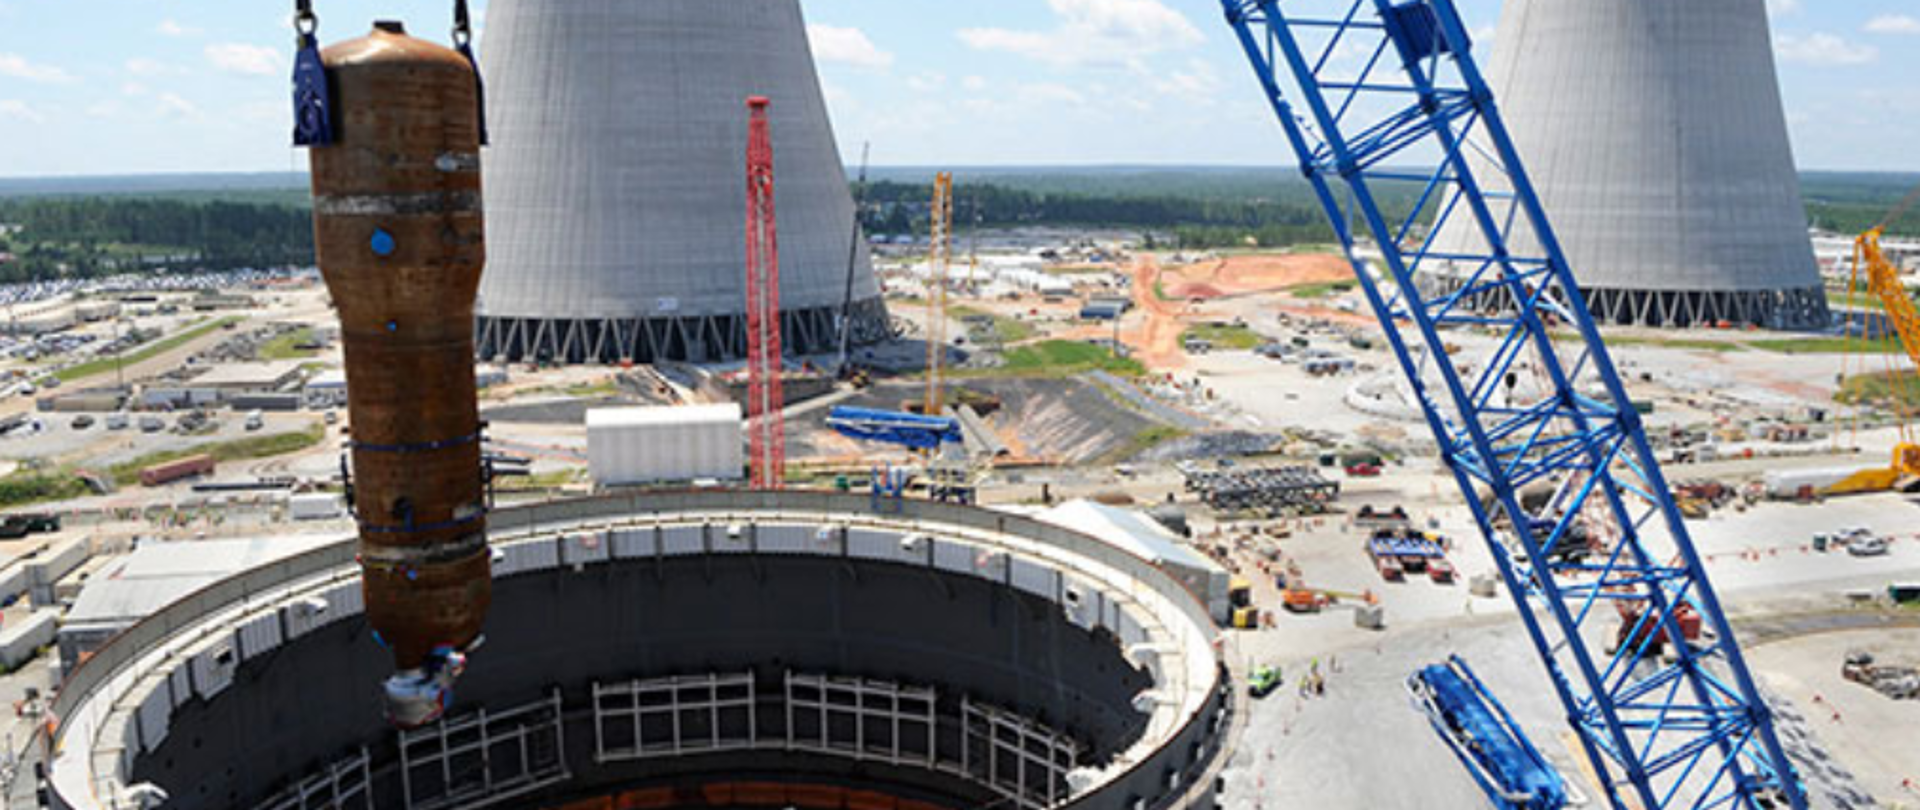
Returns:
(757, 102)
(390, 26)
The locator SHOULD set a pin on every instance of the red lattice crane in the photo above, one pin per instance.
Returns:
(766, 426)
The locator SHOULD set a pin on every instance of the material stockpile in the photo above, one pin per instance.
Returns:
(1898, 683)
(1222, 444)
(1273, 491)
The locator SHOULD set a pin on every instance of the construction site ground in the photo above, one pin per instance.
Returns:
(1869, 734)
(1298, 751)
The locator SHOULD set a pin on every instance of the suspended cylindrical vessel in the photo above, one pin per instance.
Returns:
(399, 229)
(615, 183)
(1654, 133)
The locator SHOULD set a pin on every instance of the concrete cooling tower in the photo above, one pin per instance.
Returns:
(1654, 132)
(616, 182)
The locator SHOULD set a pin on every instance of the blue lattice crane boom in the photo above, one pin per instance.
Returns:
(1604, 570)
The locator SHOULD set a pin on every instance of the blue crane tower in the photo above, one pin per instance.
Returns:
(1383, 97)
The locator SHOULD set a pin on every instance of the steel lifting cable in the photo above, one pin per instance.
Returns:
(312, 97)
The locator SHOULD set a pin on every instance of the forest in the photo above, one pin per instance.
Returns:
(93, 227)
(90, 236)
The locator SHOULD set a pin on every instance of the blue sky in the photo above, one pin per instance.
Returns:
(138, 86)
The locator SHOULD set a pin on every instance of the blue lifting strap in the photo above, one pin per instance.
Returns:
(312, 98)
(463, 42)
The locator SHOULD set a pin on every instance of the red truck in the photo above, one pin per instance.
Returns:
(1363, 470)
(169, 472)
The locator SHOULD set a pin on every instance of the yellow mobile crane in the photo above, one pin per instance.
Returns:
(1883, 280)
(939, 262)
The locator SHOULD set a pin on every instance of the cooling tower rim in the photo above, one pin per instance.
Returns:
(97, 714)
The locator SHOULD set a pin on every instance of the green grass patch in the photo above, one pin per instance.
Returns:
(30, 486)
(1323, 289)
(1061, 358)
(547, 480)
(1005, 330)
(1140, 443)
(287, 346)
(1692, 344)
(147, 352)
(598, 390)
(592, 390)
(1900, 391)
(1859, 299)
(1224, 338)
(1825, 346)
(252, 447)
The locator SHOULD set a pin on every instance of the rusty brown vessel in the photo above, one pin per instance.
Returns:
(398, 225)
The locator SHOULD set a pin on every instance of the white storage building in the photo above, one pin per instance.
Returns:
(627, 446)
(156, 575)
(1147, 539)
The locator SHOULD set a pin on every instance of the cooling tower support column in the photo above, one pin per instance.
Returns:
(398, 225)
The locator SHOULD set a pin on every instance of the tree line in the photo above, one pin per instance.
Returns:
(85, 237)
(896, 209)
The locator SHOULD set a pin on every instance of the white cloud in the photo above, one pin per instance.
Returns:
(1823, 49)
(926, 82)
(1197, 81)
(12, 108)
(18, 67)
(974, 83)
(172, 28)
(847, 46)
(1094, 31)
(1893, 24)
(250, 60)
(1051, 94)
(173, 106)
(142, 66)
(104, 109)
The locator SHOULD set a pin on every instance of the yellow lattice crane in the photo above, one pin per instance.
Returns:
(939, 265)
(1883, 280)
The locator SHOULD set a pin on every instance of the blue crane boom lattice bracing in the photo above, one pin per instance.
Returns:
(1596, 551)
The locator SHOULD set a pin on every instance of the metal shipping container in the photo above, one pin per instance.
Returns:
(20, 639)
(315, 506)
(628, 446)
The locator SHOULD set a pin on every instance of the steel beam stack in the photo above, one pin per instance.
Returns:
(1275, 491)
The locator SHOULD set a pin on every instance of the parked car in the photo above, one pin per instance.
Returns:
(82, 422)
(1867, 546)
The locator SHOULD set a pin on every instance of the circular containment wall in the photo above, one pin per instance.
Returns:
(702, 650)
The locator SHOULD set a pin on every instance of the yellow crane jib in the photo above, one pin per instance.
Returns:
(939, 263)
(1883, 280)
